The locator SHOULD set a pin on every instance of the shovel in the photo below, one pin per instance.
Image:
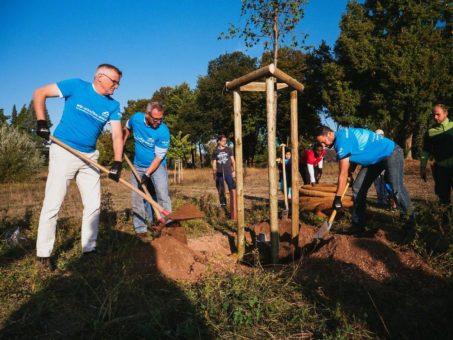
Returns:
(328, 224)
(187, 212)
(145, 189)
(285, 186)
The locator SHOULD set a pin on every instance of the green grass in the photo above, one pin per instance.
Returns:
(120, 294)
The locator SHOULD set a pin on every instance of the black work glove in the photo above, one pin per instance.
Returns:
(146, 180)
(350, 180)
(115, 171)
(42, 129)
(423, 174)
(337, 203)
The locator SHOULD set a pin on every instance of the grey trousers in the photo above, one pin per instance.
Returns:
(394, 175)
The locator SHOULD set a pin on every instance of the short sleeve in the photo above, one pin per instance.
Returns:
(116, 114)
(342, 147)
(69, 86)
(164, 141)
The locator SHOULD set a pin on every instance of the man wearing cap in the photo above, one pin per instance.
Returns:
(374, 153)
(152, 140)
(88, 107)
(438, 143)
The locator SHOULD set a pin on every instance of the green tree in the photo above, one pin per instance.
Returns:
(393, 61)
(215, 105)
(3, 118)
(14, 116)
(19, 156)
(180, 147)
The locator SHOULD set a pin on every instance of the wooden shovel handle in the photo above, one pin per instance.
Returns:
(334, 212)
(137, 177)
(104, 169)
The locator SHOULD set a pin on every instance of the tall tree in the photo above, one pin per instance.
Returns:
(269, 22)
(393, 61)
(14, 116)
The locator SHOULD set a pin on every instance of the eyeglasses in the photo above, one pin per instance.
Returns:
(154, 120)
(115, 82)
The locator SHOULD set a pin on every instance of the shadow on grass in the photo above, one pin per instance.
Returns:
(117, 293)
(412, 303)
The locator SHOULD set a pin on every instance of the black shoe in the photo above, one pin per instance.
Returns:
(90, 253)
(46, 263)
(354, 230)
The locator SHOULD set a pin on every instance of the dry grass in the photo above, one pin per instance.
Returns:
(16, 198)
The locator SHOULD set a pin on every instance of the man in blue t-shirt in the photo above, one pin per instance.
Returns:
(152, 140)
(374, 153)
(88, 107)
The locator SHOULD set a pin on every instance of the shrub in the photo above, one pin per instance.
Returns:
(19, 156)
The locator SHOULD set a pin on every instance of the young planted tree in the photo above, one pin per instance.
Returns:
(268, 22)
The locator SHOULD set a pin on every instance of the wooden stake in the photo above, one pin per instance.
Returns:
(271, 133)
(239, 174)
(294, 169)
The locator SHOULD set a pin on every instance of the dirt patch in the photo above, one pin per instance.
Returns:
(177, 258)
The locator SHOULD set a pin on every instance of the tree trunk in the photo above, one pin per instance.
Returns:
(201, 155)
(275, 32)
(192, 152)
(408, 146)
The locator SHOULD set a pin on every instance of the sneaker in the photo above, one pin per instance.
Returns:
(46, 263)
(90, 253)
(355, 229)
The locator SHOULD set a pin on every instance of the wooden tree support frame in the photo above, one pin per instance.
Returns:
(248, 83)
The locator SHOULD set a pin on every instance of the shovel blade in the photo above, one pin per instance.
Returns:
(323, 230)
(186, 212)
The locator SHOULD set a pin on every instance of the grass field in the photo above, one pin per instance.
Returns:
(117, 294)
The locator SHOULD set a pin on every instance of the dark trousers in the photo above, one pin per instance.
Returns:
(394, 175)
(220, 185)
(306, 175)
(443, 178)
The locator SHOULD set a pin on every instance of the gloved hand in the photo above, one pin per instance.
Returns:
(42, 129)
(146, 180)
(337, 203)
(115, 171)
(350, 180)
(423, 174)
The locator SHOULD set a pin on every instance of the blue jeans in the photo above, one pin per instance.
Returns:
(141, 209)
(220, 185)
(394, 173)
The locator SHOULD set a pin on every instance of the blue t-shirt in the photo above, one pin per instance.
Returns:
(149, 142)
(85, 114)
(363, 146)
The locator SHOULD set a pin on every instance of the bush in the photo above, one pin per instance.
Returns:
(18, 154)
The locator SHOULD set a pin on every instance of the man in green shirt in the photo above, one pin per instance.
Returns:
(438, 144)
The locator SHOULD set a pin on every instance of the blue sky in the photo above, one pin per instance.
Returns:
(155, 43)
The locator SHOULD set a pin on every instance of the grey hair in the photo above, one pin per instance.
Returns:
(154, 105)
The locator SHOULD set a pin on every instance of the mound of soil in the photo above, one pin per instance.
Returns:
(177, 258)
(373, 277)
